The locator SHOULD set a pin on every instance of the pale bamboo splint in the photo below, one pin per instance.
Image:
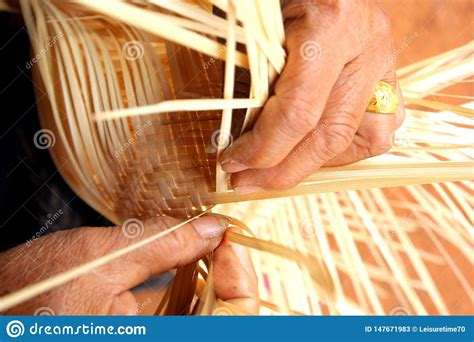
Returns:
(135, 108)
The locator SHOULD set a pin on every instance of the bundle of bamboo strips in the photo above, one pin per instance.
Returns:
(128, 94)
(140, 119)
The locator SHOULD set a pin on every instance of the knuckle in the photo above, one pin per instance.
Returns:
(296, 117)
(318, 154)
(377, 144)
(337, 138)
(380, 146)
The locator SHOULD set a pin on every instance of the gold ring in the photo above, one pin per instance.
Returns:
(384, 100)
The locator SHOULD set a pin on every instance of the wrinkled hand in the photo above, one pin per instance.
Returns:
(106, 290)
(337, 51)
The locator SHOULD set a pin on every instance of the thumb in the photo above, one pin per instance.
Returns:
(234, 277)
(183, 246)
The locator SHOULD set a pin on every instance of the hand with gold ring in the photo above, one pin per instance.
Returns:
(328, 106)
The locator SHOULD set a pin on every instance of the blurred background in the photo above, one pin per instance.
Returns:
(425, 28)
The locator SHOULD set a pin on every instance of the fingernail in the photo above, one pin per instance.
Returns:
(210, 227)
(247, 189)
(232, 166)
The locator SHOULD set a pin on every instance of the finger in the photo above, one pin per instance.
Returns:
(299, 98)
(234, 277)
(124, 304)
(375, 135)
(176, 249)
(401, 110)
(332, 136)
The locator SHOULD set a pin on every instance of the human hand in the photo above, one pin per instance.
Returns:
(106, 290)
(337, 52)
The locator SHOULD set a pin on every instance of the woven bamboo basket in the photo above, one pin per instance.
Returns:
(141, 103)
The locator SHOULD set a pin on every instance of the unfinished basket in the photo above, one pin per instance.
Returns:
(140, 106)
(137, 102)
